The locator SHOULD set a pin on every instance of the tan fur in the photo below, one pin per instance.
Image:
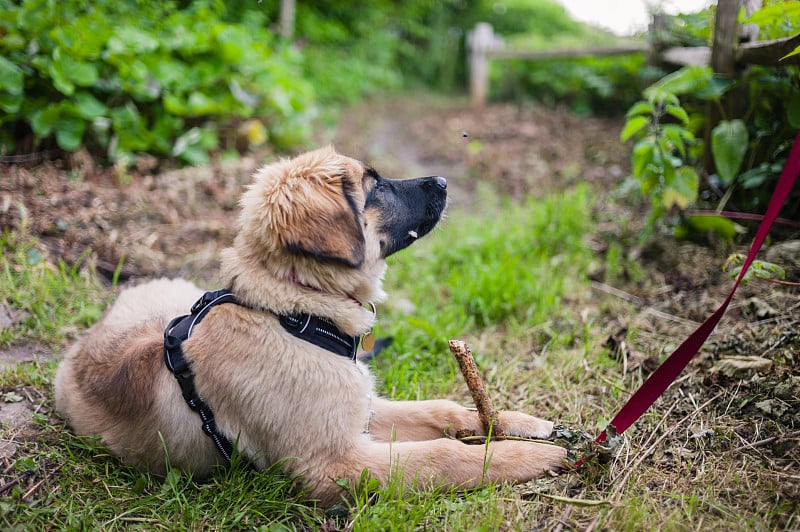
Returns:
(283, 398)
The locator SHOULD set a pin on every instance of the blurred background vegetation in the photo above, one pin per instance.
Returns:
(187, 79)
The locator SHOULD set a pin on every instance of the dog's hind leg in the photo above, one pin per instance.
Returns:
(442, 462)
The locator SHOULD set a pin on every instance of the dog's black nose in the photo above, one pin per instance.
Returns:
(441, 182)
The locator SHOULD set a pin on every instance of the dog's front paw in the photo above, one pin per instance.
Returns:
(525, 426)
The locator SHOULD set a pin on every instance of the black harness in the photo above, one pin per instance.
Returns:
(315, 329)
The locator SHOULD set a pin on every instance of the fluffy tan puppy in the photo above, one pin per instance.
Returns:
(314, 233)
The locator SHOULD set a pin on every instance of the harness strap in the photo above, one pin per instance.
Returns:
(321, 332)
(178, 330)
(317, 330)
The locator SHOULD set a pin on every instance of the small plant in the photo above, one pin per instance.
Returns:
(747, 149)
(759, 269)
(662, 152)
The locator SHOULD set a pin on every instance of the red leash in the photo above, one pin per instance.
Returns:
(669, 370)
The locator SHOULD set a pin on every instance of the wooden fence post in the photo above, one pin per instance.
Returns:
(287, 19)
(480, 41)
(723, 62)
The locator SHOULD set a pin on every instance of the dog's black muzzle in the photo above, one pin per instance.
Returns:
(409, 209)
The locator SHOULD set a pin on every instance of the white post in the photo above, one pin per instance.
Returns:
(287, 19)
(480, 40)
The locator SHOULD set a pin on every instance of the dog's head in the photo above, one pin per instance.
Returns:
(321, 224)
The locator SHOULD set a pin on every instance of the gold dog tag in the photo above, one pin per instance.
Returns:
(368, 341)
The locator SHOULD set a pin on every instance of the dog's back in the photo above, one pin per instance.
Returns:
(108, 383)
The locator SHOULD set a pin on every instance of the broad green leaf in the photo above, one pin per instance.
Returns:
(69, 133)
(729, 141)
(11, 77)
(131, 131)
(195, 155)
(639, 108)
(10, 103)
(688, 79)
(683, 188)
(674, 134)
(76, 72)
(60, 79)
(702, 223)
(678, 112)
(175, 105)
(233, 41)
(129, 40)
(88, 106)
(199, 104)
(717, 86)
(81, 73)
(44, 120)
(642, 156)
(633, 126)
(775, 13)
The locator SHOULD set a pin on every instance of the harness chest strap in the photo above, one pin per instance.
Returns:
(178, 330)
(317, 330)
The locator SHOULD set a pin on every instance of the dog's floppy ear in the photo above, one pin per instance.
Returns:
(327, 227)
(307, 205)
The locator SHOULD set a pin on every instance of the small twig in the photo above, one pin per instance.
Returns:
(486, 412)
(8, 485)
(608, 289)
(562, 521)
(33, 489)
(766, 441)
(575, 502)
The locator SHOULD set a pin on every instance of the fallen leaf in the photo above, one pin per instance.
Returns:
(12, 397)
(737, 365)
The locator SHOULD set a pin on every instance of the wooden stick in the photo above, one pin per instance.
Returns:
(486, 412)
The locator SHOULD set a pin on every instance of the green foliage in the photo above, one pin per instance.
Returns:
(96, 491)
(759, 269)
(729, 141)
(703, 224)
(748, 151)
(126, 77)
(590, 85)
(664, 143)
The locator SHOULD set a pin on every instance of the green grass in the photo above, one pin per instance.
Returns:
(537, 349)
(49, 302)
(509, 268)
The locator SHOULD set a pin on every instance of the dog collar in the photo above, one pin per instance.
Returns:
(321, 332)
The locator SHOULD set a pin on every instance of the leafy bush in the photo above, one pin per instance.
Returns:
(127, 77)
(590, 85)
(748, 150)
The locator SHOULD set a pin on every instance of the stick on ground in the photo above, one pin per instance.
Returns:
(486, 412)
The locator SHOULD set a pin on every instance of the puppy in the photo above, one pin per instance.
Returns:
(313, 236)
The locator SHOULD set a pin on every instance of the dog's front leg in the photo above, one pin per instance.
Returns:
(428, 420)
